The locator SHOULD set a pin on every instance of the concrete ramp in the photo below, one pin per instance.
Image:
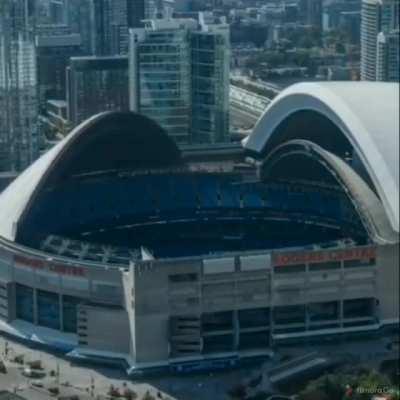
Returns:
(297, 366)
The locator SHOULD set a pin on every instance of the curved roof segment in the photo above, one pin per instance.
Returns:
(363, 198)
(367, 115)
(108, 141)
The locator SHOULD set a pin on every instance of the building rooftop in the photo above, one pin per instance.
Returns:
(73, 39)
(367, 115)
(88, 149)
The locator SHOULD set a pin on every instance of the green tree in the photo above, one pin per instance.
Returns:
(335, 386)
(340, 48)
(327, 387)
(373, 382)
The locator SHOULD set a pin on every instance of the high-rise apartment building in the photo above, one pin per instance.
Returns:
(393, 56)
(311, 11)
(58, 11)
(139, 10)
(349, 24)
(370, 28)
(18, 86)
(335, 14)
(387, 56)
(103, 24)
(379, 39)
(111, 20)
(96, 84)
(314, 13)
(81, 21)
(179, 76)
(110, 27)
(390, 15)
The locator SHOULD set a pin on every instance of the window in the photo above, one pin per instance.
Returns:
(323, 311)
(358, 308)
(290, 269)
(254, 340)
(327, 266)
(24, 303)
(70, 305)
(289, 314)
(219, 321)
(178, 278)
(217, 344)
(254, 318)
(48, 309)
(360, 263)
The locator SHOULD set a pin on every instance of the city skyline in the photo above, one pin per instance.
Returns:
(41, 38)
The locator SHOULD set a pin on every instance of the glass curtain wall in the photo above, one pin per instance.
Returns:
(164, 79)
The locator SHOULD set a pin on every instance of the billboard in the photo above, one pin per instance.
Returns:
(323, 256)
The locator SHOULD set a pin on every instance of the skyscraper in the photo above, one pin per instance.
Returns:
(314, 13)
(160, 75)
(350, 24)
(379, 27)
(179, 76)
(111, 20)
(53, 53)
(370, 28)
(58, 11)
(96, 84)
(387, 56)
(311, 11)
(138, 10)
(81, 21)
(110, 29)
(210, 83)
(18, 86)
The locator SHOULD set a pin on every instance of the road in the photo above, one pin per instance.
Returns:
(79, 377)
(73, 379)
(370, 352)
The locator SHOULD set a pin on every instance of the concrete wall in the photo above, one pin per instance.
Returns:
(388, 282)
(131, 311)
(103, 328)
(96, 284)
(152, 309)
(157, 299)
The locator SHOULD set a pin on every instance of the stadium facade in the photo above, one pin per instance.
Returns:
(116, 245)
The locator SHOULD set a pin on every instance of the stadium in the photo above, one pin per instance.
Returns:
(116, 245)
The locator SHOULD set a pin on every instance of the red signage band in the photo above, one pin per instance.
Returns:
(57, 268)
(362, 253)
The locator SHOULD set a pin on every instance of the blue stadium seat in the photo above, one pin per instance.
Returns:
(207, 188)
(230, 196)
(184, 193)
(252, 199)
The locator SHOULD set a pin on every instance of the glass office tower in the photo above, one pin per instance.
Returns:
(18, 87)
(179, 76)
(379, 40)
(96, 84)
(210, 80)
(164, 81)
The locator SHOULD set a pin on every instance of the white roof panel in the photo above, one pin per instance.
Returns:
(366, 112)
